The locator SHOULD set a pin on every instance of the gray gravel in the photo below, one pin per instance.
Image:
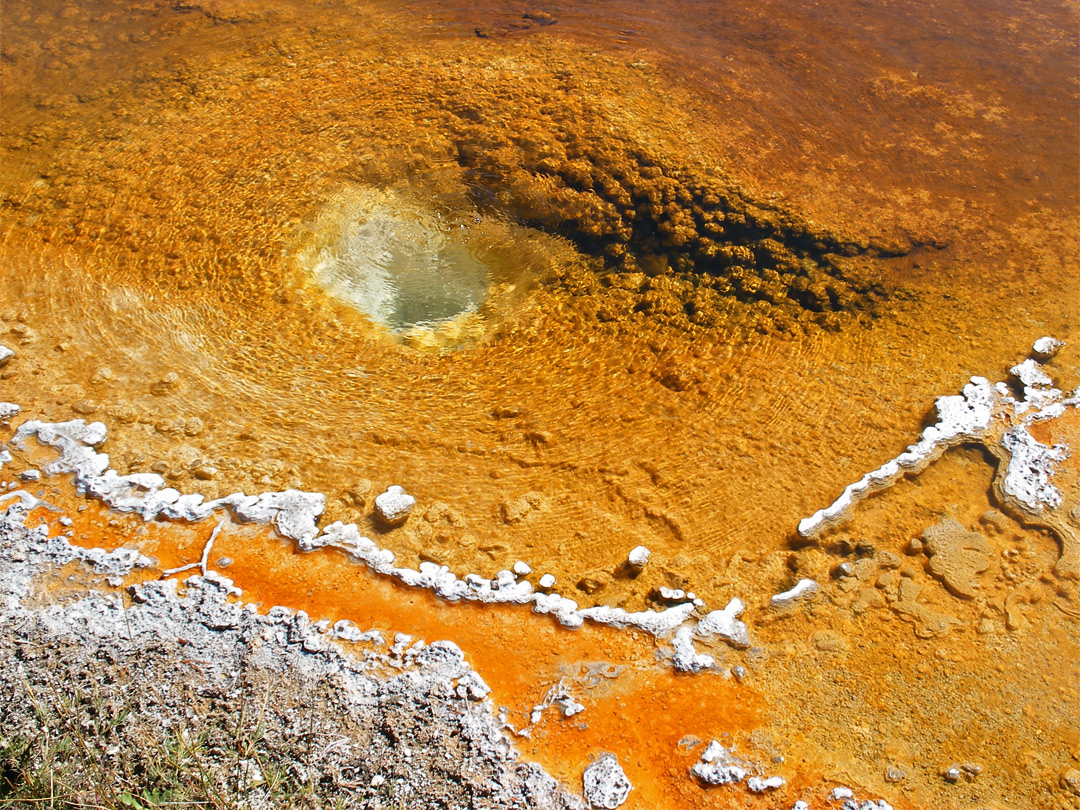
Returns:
(273, 710)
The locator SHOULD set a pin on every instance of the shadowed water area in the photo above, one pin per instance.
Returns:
(582, 277)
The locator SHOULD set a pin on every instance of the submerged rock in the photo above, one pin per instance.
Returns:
(957, 556)
(394, 506)
(639, 556)
(804, 589)
(1046, 347)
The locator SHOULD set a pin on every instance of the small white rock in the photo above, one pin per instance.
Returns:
(394, 505)
(800, 805)
(8, 410)
(803, 588)
(5, 355)
(839, 793)
(1044, 347)
(65, 520)
(30, 475)
(1031, 374)
(606, 785)
(720, 766)
(547, 581)
(522, 569)
(639, 556)
(755, 784)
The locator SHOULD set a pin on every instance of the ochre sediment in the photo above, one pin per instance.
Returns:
(615, 672)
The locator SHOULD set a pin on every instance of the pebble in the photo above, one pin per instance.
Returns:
(5, 355)
(639, 556)
(803, 588)
(522, 569)
(839, 793)
(85, 407)
(394, 506)
(30, 475)
(1070, 780)
(8, 410)
(1047, 347)
(547, 581)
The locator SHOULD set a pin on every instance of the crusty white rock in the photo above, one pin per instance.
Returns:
(606, 785)
(394, 506)
(725, 624)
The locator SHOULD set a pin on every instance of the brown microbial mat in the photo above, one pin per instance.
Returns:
(583, 277)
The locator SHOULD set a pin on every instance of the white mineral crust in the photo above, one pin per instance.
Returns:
(725, 623)
(295, 515)
(394, 505)
(1047, 347)
(803, 588)
(606, 785)
(719, 766)
(755, 784)
(685, 657)
(1029, 464)
(8, 410)
(960, 418)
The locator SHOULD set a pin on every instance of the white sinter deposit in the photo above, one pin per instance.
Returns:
(803, 589)
(606, 785)
(987, 414)
(394, 506)
(295, 515)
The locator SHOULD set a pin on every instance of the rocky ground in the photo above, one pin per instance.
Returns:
(194, 698)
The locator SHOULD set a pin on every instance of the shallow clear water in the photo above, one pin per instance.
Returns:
(402, 267)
